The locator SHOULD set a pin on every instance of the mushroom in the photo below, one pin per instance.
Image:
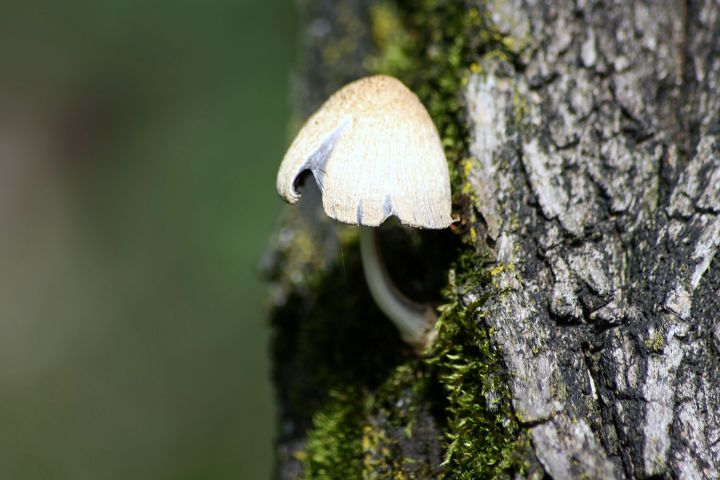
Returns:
(375, 153)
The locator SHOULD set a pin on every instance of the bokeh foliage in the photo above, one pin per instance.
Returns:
(138, 147)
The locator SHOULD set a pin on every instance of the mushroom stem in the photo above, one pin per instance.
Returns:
(414, 321)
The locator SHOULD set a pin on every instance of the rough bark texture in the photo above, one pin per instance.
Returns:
(584, 276)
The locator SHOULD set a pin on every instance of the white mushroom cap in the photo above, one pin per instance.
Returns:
(374, 152)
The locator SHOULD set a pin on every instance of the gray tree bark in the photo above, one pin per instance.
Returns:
(592, 177)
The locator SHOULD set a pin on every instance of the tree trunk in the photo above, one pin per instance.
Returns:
(580, 326)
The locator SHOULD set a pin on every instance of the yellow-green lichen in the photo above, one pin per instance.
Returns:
(655, 343)
(521, 107)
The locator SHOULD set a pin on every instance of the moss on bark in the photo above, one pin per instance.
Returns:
(360, 402)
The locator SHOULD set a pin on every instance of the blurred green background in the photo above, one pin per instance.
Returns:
(138, 147)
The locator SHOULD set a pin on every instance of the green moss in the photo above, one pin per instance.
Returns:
(391, 39)
(484, 437)
(343, 370)
(359, 433)
(360, 429)
(392, 422)
(333, 448)
(521, 108)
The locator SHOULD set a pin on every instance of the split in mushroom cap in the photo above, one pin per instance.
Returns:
(374, 152)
